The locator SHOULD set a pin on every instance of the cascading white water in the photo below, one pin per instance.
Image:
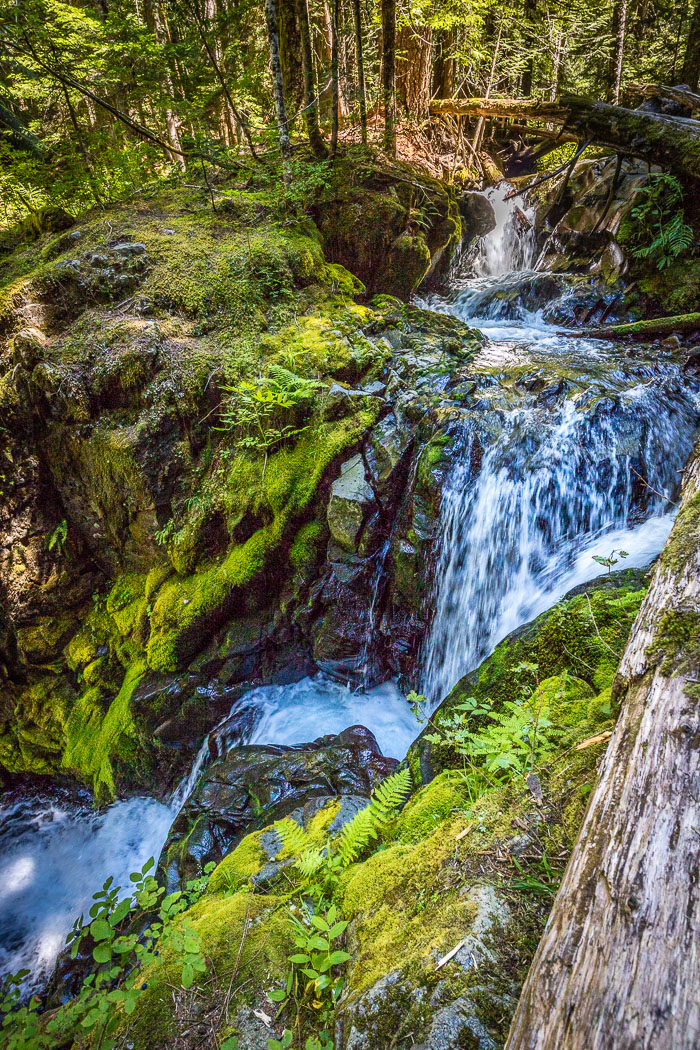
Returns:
(541, 484)
(55, 853)
(574, 458)
(511, 244)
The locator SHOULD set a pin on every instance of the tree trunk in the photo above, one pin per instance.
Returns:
(359, 55)
(278, 87)
(414, 51)
(529, 16)
(619, 26)
(690, 74)
(290, 54)
(388, 74)
(443, 64)
(310, 101)
(618, 966)
(670, 142)
(641, 330)
(335, 78)
(153, 17)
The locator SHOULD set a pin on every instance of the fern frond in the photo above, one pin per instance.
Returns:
(366, 824)
(294, 839)
(309, 862)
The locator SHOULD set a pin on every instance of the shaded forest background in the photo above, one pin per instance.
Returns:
(98, 98)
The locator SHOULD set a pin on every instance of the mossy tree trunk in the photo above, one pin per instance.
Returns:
(278, 86)
(389, 74)
(618, 966)
(691, 62)
(310, 100)
(359, 55)
(663, 140)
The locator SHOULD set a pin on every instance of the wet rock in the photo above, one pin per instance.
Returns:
(254, 785)
(349, 504)
(477, 213)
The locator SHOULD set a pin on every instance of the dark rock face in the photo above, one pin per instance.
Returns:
(252, 786)
(141, 587)
(368, 221)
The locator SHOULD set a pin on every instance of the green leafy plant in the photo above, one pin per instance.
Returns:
(314, 978)
(122, 942)
(611, 559)
(258, 411)
(58, 537)
(498, 745)
(319, 867)
(660, 233)
(314, 981)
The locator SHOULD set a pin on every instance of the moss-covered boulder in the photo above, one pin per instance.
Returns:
(388, 224)
(567, 657)
(182, 388)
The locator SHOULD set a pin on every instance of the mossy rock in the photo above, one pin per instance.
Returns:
(569, 654)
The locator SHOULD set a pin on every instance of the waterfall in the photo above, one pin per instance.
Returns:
(552, 491)
(571, 451)
(511, 245)
(564, 450)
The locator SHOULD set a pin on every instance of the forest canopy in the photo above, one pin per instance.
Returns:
(99, 97)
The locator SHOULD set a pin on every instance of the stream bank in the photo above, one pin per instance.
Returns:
(445, 488)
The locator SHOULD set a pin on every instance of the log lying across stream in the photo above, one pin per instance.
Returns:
(673, 142)
(656, 328)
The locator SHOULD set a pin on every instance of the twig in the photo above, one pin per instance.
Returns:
(652, 489)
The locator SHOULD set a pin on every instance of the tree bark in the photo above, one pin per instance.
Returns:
(388, 74)
(359, 56)
(640, 330)
(690, 74)
(318, 146)
(618, 966)
(414, 51)
(290, 54)
(529, 16)
(335, 78)
(278, 87)
(443, 64)
(673, 143)
(619, 27)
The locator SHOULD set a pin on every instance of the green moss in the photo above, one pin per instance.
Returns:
(236, 869)
(102, 738)
(307, 545)
(403, 913)
(676, 645)
(245, 936)
(186, 609)
(432, 805)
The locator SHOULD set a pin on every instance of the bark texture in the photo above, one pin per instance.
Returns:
(310, 99)
(414, 51)
(618, 966)
(278, 85)
(691, 63)
(672, 142)
(388, 74)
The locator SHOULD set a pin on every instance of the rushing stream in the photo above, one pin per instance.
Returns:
(565, 449)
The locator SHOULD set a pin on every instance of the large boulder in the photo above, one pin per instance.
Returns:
(252, 786)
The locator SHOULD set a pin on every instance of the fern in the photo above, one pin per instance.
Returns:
(310, 862)
(294, 839)
(367, 824)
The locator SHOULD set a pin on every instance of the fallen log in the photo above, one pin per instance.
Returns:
(672, 142)
(657, 328)
(683, 96)
(618, 966)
